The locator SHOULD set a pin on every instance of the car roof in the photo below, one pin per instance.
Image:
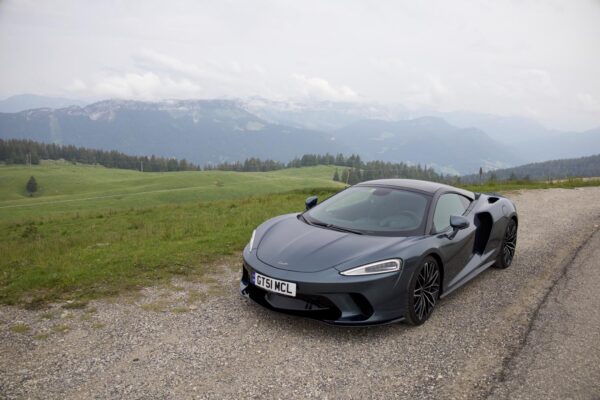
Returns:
(415, 184)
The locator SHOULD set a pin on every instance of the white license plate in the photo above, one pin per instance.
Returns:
(274, 285)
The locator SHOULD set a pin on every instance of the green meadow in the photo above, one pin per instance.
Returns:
(91, 231)
(67, 188)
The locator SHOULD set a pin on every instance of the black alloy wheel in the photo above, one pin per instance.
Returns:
(509, 245)
(424, 292)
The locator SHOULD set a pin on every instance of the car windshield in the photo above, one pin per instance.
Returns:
(373, 210)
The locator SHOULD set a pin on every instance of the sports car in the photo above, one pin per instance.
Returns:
(378, 252)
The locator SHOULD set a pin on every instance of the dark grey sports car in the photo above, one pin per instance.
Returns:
(378, 252)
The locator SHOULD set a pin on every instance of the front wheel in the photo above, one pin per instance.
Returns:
(509, 245)
(423, 292)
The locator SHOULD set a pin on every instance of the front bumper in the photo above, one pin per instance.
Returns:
(328, 296)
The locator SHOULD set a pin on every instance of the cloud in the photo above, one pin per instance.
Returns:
(142, 86)
(588, 103)
(320, 89)
(154, 60)
(537, 81)
(77, 86)
(157, 76)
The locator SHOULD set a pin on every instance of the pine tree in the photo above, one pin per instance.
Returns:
(345, 176)
(31, 186)
(336, 176)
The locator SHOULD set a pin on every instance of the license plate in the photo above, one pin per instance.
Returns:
(274, 285)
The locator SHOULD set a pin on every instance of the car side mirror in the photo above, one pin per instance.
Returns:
(311, 202)
(458, 222)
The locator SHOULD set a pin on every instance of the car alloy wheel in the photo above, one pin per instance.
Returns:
(424, 293)
(509, 245)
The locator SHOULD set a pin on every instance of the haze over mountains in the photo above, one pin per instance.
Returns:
(212, 131)
(23, 102)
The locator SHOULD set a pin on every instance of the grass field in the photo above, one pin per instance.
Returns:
(64, 188)
(92, 231)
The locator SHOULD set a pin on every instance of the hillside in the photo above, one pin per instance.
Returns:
(64, 187)
(563, 145)
(24, 151)
(554, 169)
(427, 140)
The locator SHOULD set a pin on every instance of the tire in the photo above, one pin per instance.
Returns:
(423, 291)
(509, 245)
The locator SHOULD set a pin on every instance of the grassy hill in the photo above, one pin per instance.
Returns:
(64, 187)
(92, 231)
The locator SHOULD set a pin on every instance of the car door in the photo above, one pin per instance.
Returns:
(456, 248)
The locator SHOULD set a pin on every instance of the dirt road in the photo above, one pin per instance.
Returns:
(560, 358)
(530, 331)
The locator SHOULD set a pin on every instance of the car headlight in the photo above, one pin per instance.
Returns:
(379, 267)
(251, 244)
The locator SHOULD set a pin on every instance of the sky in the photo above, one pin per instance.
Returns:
(533, 58)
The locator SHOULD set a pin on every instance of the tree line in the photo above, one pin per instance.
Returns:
(18, 151)
(254, 164)
(387, 170)
(354, 169)
(547, 170)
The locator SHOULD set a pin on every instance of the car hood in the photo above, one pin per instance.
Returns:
(294, 245)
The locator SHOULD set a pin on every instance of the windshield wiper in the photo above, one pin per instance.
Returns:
(303, 218)
(337, 228)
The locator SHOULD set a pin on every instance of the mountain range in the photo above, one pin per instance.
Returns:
(201, 131)
(212, 131)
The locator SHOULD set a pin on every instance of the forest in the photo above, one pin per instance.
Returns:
(18, 151)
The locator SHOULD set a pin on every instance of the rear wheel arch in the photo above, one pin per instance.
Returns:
(513, 217)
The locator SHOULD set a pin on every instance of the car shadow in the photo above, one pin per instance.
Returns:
(274, 320)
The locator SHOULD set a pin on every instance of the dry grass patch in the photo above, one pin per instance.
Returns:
(61, 328)
(20, 328)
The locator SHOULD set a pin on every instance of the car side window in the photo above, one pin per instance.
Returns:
(448, 204)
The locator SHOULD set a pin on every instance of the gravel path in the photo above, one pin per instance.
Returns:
(186, 341)
(561, 356)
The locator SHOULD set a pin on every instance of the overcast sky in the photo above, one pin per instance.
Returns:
(533, 58)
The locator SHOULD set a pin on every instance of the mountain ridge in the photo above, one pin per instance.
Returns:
(202, 131)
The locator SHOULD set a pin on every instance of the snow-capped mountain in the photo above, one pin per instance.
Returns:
(202, 131)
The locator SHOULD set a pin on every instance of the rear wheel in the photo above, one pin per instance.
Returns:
(424, 291)
(509, 245)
